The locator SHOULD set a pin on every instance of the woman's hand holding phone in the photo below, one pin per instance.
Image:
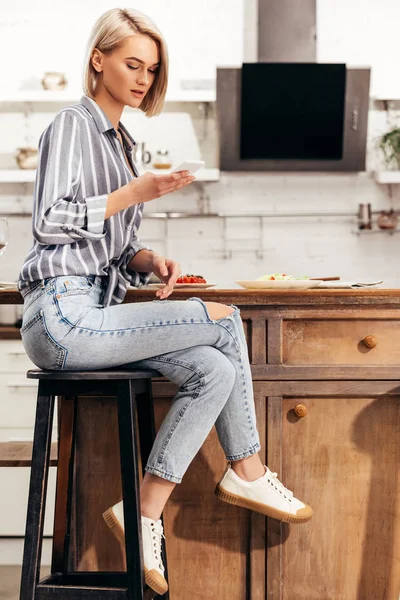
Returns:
(145, 188)
(150, 186)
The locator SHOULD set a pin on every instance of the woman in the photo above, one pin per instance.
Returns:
(88, 204)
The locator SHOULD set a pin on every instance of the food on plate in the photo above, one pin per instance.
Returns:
(279, 277)
(188, 278)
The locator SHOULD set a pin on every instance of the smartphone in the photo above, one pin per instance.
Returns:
(189, 165)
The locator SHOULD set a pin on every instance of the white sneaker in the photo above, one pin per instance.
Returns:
(266, 495)
(152, 534)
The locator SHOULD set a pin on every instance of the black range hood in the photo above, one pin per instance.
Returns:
(292, 111)
(286, 112)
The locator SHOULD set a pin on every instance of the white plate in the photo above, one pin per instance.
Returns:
(183, 285)
(300, 284)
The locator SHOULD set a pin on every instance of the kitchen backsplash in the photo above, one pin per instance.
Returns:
(314, 246)
(225, 250)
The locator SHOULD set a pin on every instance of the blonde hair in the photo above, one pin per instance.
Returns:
(110, 29)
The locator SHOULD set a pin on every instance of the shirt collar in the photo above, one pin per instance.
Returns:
(103, 123)
(129, 141)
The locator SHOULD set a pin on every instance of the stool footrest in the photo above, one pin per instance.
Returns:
(88, 586)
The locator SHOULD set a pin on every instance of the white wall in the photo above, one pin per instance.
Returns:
(362, 32)
(37, 37)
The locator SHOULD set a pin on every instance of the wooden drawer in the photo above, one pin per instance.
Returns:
(341, 342)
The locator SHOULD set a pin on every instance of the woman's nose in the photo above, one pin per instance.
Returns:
(143, 77)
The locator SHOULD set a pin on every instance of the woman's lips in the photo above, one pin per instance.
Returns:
(137, 94)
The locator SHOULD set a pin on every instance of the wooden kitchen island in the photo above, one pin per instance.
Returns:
(326, 371)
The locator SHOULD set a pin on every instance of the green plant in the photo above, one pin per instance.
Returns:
(389, 144)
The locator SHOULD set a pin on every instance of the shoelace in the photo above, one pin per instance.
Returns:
(274, 481)
(158, 535)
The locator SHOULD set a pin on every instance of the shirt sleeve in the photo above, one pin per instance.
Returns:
(135, 278)
(63, 216)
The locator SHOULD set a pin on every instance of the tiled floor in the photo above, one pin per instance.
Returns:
(10, 581)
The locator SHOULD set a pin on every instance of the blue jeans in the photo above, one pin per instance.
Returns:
(66, 326)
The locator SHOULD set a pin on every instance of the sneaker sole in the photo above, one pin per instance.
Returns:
(153, 579)
(266, 510)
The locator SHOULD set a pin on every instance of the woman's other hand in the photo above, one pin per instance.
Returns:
(168, 271)
(150, 186)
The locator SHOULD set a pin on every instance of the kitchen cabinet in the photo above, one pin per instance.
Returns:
(341, 455)
(327, 389)
(326, 379)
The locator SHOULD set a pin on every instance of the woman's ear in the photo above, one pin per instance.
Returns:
(97, 60)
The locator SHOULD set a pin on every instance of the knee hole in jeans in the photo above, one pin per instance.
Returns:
(217, 310)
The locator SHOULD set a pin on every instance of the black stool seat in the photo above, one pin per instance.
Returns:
(133, 391)
(116, 373)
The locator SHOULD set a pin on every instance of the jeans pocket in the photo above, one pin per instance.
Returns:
(74, 297)
(40, 346)
(75, 285)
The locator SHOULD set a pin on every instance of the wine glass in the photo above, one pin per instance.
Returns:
(3, 234)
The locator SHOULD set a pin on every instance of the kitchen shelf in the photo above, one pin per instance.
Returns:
(387, 176)
(71, 97)
(191, 96)
(386, 98)
(17, 175)
(28, 175)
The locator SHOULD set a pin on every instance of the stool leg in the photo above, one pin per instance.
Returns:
(130, 489)
(147, 435)
(64, 486)
(37, 492)
(147, 428)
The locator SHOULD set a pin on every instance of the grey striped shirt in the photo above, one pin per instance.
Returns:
(80, 161)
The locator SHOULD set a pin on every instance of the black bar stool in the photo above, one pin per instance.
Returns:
(128, 386)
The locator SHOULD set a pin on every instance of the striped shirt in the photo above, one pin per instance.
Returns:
(80, 161)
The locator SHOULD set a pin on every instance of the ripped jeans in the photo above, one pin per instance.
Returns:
(65, 326)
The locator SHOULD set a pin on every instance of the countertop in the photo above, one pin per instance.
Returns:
(389, 298)
(254, 297)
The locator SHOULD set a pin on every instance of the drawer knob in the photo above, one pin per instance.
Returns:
(370, 341)
(300, 410)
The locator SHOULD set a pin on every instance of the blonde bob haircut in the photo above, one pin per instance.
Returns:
(107, 34)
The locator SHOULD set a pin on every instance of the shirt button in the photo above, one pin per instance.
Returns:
(129, 227)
